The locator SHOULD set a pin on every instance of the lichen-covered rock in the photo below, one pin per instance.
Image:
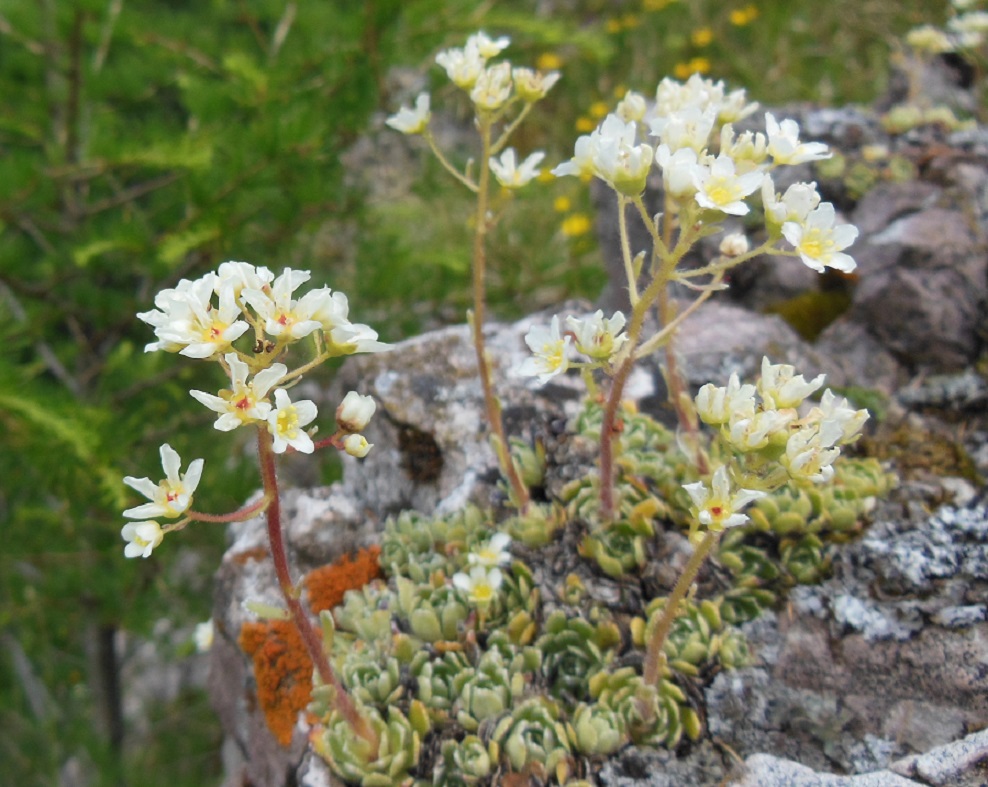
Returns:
(884, 659)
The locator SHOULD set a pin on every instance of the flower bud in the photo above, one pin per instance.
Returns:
(357, 445)
(354, 412)
(734, 245)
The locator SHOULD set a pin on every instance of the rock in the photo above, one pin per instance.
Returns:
(764, 770)
(960, 764)
(883, 660)
(922, 285)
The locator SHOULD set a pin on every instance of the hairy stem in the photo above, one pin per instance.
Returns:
(654, 655)
(343, 703)
(491, 404)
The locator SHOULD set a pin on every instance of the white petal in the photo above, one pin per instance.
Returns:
(171, 462)
(146, 511)
(214, 403)
(143, 485)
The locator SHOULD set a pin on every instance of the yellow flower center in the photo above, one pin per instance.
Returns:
(722, 192)
(288, 422)
(816, 245)
(482, 594)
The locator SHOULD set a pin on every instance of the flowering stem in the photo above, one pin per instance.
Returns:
(608, 435)
(629, 265)
(342, 702)
(509, 130)
(491, 404)
(654, 654)
(240, 515)
(656, 289)
(427, 135)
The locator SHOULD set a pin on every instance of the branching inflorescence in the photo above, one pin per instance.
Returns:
(457, 636)
(207, 319)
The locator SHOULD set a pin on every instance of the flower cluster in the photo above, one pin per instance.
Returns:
(767, 442)
(965, 31)
(170, 497)
(709, 169)
(205, 319)
(597, 337)
(494, 89)
(765, 420)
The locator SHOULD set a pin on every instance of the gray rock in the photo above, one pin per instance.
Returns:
(884, 659)
(922, 285)
(764, 770)
(960, 764)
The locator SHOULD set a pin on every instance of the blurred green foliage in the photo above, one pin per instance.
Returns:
(144, 142)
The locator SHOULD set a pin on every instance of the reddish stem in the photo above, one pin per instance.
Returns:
(240, 515)
(310, 635)
(608, 435)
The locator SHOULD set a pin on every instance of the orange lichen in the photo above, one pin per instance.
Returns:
(328, 584)
(282, 672)
(282, 666)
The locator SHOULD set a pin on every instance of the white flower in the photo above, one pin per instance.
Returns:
(784, 146)
(808, 457)
(819, 242)
(717, 405)
(734, 107)
(357, 445)
(511, 176)
(203, 636)
(533, 85)
(690, 127)
(748, 150)
(488, 47)
(282, 315)
(672, 97)
(616, 158)
(493, 553)
(835, 414)
(141, 538)
(187, 322)
(795, 205)
(780, 387)
(678, 170)
(717, 507)
(549, 349)
(242, 275)
(928, 38)
(330, 309)
(581, 164)
(972, 22)
(492, 89)
(286, 422)
(244, 402)
(632, 107)
(596, 336)
(412, 121)
(463, 66)
(355, 412)
(718, 187)
(172, 495)
(755, 432)
(357, 338)
(480, 585)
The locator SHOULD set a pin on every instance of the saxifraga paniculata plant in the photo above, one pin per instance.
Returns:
(455, 650)
(250, 322)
